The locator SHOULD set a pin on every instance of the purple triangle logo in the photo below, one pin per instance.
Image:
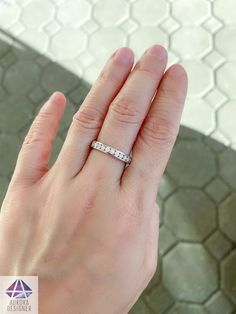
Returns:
(19, 290)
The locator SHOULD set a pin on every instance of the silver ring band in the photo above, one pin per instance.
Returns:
(112, 151)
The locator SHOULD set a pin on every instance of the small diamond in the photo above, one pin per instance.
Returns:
(107, 149)
(214, 59)
(17, 28)
(117, 154)
(218, 245)
(170, 25)
(212, 25)
(52, 28)
(90, 26)
(215, 98)
(129, 26)
(112, 151)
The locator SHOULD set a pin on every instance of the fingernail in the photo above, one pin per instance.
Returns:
(176, 70)
(124, 55)
(157, 51)
(55, 97)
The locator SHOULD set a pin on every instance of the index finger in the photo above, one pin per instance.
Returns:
(157, 136)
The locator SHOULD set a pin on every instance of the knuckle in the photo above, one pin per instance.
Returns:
(149, 72)
(144, 173)
(88, 118)
(109, 77)
(169, 92)
(89, 203)
(37, 132)
(44, 114)
(159, 130)
(125, 110)
(34, 136)
(97, 175)
(132, 216)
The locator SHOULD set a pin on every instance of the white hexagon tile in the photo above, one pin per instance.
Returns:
(63, 44)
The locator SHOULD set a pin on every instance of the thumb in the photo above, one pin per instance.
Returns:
(32, 161)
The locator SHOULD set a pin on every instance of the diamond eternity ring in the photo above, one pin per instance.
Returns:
(112, 151)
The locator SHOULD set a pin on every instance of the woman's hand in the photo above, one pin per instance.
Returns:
(88, 227)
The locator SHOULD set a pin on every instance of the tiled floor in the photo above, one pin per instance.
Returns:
(62, 44)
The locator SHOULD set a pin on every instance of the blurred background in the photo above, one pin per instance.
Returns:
(48, 45)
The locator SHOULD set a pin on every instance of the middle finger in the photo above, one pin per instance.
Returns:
(128, 110)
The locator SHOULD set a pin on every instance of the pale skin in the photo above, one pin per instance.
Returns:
(88, 226)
